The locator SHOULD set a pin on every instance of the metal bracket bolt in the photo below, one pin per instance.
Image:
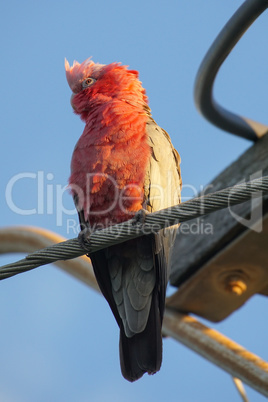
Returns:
(235, 284)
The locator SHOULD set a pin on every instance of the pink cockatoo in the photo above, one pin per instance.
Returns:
(124, 163)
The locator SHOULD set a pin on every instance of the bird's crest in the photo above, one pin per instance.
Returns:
(76, 73)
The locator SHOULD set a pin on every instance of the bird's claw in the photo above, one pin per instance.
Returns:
(84, 239)
(139, 217)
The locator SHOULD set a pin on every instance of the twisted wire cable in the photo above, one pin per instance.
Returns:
(131, 229)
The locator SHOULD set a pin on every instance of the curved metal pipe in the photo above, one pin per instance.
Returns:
(218, 52)
(27, 239)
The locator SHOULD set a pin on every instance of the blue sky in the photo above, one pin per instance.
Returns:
(59, 339)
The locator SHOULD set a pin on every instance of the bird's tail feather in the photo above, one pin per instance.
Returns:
(142, 353)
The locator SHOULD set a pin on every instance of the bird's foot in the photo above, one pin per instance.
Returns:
(139, 218)
(84, 239)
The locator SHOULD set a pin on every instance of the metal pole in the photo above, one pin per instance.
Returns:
(27, 239)
(207, 342)
(217, 53)
(218, 349)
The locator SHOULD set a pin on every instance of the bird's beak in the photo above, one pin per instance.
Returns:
(71, 100)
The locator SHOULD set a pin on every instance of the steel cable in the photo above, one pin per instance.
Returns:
(132, 228)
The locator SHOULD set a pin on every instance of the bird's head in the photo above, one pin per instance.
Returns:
(93, 84)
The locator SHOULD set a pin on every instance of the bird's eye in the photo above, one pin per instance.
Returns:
(87, 82)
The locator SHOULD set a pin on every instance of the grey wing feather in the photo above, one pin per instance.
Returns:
(137, 276)
(163, 179)
(133, 276)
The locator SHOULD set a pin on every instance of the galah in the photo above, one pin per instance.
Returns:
(124, 163)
